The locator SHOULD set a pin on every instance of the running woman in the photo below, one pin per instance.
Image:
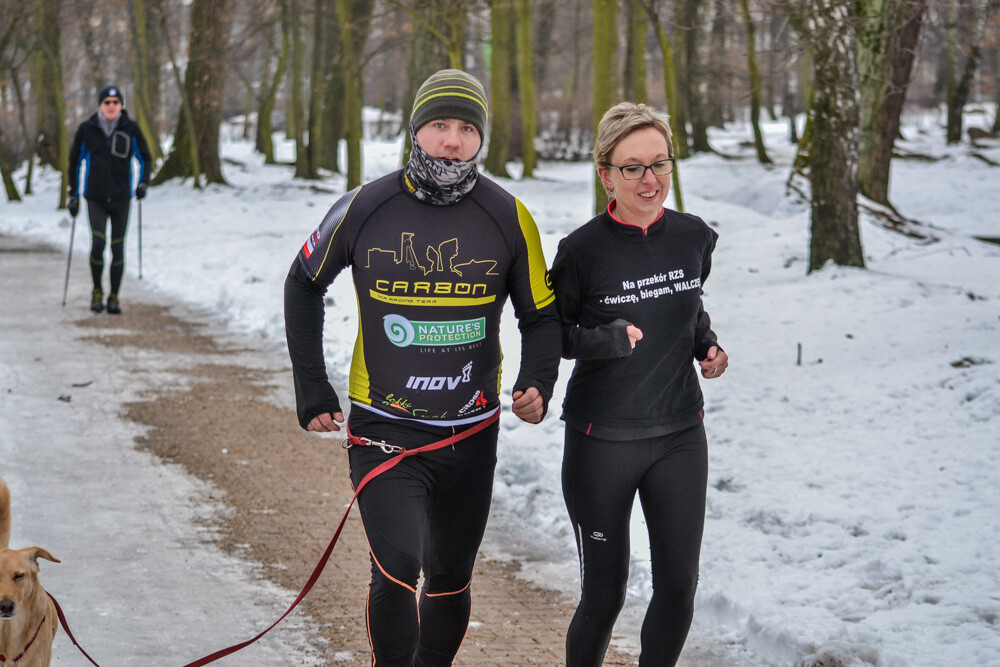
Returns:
(628, 286)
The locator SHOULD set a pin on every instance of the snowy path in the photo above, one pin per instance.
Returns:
(140, 581)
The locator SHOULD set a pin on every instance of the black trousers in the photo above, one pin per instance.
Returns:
(100, 212)
(426, 515)
(600, 480)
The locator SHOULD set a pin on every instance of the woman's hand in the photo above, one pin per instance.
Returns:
(634, 334)
(714, 364)
(529, 405)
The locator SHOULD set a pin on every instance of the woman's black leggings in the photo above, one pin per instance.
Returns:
(117, 211)
(427, 514)
(600, 479)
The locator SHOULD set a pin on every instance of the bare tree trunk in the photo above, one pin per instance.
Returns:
(678, 105)
(634, 76)
(29, 140)
(454, 13)
(775, 36)
(718, 77)
(888, 42)
(53, 143)
(203, 84)
(577, 49)
(958, 89)
(432, 48)
(14, 42)
(689, 36)
(526, 87)
(6, 171)
(835, 115)
(335, 121)
(270, 85)
(93, 44)
(545, 18)
(319, 79)
(758, 136)
(605, 78)
(797, 11)
(996, 88)
(445, 20)
(333, 116)
(502, 18)
(352, 17)
(188, 141)
(147, 65)
(295, 112)
(671, 94)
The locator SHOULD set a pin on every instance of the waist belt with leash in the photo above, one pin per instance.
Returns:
(400, 454)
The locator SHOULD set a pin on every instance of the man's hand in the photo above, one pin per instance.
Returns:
(529, 405)
(326, 422)
(714, 364)
(73, 204)
(140, 191)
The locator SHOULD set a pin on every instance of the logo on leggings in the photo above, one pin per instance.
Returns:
(599, 536)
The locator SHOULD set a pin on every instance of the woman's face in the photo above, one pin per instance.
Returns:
(639, 202)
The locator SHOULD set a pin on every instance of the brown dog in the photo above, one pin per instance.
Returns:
(28, 620)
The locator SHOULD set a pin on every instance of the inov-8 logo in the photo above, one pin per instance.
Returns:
(439, 383)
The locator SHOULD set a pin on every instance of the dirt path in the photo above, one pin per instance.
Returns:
(228, 420)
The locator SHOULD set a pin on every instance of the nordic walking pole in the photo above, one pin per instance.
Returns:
(69, 258)
(140, 238)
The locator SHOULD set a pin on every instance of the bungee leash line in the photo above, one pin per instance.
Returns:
(400, 454)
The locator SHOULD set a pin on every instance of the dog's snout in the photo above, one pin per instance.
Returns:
(6, 608)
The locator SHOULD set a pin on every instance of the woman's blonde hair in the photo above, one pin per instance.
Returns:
(622, 120)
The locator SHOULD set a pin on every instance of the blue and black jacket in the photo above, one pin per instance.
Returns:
(107, 161)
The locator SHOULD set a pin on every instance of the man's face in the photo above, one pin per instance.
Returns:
(449, 139)
(111, 107)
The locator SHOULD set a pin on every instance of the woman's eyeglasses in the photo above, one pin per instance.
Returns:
(633, 172)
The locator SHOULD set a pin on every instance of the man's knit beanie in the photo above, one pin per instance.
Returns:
(111, 91)
(450, 93)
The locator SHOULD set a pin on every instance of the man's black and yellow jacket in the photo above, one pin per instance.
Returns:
(431, 283)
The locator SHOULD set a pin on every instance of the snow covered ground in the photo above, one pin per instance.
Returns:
(854, 442)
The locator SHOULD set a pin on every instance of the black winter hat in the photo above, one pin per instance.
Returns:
(111, 91)
(450, 93)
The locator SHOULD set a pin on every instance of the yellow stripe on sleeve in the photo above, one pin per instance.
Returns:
(541, 285)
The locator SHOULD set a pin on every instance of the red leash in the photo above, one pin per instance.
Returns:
(314, 577)
(13, 661)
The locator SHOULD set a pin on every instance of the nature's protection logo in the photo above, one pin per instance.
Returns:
(402, 332)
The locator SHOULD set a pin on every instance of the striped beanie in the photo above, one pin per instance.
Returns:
(450, 93)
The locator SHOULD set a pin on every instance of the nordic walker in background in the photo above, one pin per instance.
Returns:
(105, 146)
(435, 250)
(628, 286)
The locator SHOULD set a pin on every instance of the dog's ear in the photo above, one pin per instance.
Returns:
(34, 553)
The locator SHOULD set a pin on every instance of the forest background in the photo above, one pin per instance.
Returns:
(310, 68)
